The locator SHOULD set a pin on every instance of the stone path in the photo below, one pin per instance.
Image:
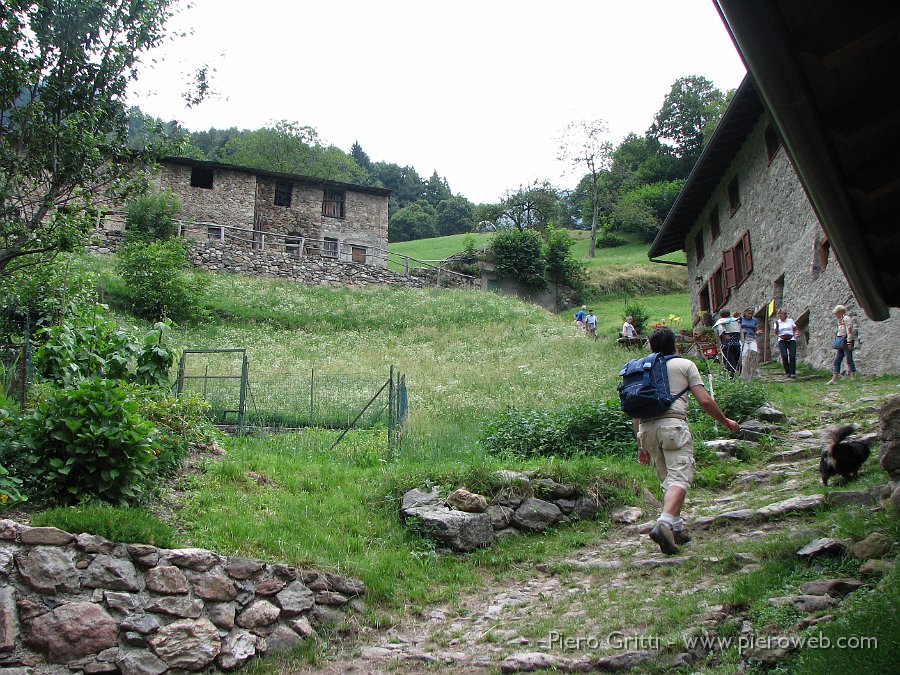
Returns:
(508, 623)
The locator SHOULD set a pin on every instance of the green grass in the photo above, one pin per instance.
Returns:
(435, 248)
(132, 526)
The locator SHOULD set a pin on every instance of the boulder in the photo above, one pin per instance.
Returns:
(586, 508)
(464, 500)
(873, 546)
(792, 505)
(459, 530)
(627, 515)
(836, 588)
(417, 497)
(805, 603)
(536, 514)
(875, 567)
(501, 516)
(769, 413)
(822, 546)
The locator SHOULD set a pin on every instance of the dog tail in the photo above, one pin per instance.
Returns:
(838, 434)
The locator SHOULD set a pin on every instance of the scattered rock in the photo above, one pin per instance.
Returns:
(626, 514)
(842, 497)
(805, 603)
(772, 655)
(459, 530)
(586, 508)
(794, 504)
(836, 588)
(549, 488)
(470, 502)
(875, 567)
(768, 413)
(417, 497)
(536, 515)
(501, 516)
(873, 546)
(822, 546)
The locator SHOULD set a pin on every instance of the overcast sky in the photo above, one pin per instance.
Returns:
(478, 90)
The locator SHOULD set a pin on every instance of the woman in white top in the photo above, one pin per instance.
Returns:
(844, 340)
(786, 331)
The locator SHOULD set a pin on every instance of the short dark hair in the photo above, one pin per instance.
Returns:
(662, 340)
(724, 313)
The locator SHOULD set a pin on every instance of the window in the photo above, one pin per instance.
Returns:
(358, 254)
(773, 141)
(201, 178)
(714, 223)
(717, 290)
(737, 262)
(778, 292)
(283, 194)
(215, 232)
(698, 245)
(824, 251)
(293, 243)
(333, 203)
(330, 248)
(734, 195)
(704, 300)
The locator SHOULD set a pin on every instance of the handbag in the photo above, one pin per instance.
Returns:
(839, 342)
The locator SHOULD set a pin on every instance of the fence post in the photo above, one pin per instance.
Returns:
(243, 401)
(391, 394)
(437, 281)
(406, 266)
(312, 380)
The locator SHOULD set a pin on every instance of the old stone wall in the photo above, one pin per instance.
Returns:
(788, 262)
(82, 603)
(314, 270)
(231, 200)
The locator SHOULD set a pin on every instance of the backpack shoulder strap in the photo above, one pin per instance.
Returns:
(666, 359)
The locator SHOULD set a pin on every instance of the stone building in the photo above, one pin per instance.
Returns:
(751, 236)
(255, 210)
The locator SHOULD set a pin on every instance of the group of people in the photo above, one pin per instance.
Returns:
(585, 320)
(665, 440)
(740, 352)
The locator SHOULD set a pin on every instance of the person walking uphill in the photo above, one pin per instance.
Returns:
(666, 441)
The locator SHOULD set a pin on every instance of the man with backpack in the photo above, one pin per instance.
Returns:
(661, 427)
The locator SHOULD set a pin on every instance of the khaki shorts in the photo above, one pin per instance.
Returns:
(670, 445)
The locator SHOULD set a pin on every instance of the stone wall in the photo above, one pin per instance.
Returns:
(82, 603)
(231, 201)
(786, 242)
(221, 256)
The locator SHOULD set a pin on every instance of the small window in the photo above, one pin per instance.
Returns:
(698, 245)
(734, 195)
(824, 252)
(773, 141)
(704, 299)
(330, 248)
(216, 232)
(293, 243)
(714, 223)
(333, 203)
(201, 178)
(283, 194)
(358, 254)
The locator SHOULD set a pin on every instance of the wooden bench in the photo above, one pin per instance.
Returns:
(637, 341)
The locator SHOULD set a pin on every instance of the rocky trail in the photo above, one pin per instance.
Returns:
(619, 604)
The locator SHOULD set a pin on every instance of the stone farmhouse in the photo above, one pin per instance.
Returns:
(752, 236)
(263, 210)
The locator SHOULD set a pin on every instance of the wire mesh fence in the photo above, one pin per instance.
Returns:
(246, 399)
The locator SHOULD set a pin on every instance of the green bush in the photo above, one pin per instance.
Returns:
(639, 315)
(152, 217)
(562, 267)
(519, 255)
(157, 285)
(180, 421)
(85, 443)
(607, 239)
(583, 428)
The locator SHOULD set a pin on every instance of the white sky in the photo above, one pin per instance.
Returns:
(478, 90)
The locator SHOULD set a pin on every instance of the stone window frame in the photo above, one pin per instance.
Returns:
(734, 195)
(202, 178)
(714, 223)
(283, 191)
(215, 232)
(737, 261)
(334, 203)
(330, 247)
(354, 248)
(698, 245)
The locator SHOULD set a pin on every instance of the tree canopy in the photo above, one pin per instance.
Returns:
(64, 72)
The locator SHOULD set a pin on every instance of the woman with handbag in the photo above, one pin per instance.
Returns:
(843, 344)
(786, 331)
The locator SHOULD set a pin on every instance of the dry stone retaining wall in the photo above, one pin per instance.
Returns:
(82, 603)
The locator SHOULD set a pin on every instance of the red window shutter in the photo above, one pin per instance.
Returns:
(748, 255)
(728, 266)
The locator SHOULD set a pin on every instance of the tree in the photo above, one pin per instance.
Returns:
(691, 108)
(64, 71)
(455, 215)
(519, 255)
(583, 144)
(357, 153)
(413, 221)
(531, 208)
(436, 189)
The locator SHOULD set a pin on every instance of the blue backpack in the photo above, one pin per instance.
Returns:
(644, 389)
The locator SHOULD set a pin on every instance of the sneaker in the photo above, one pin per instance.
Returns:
(662, 534)
(830, 382)
(681, 537)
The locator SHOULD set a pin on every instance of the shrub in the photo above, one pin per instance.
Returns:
(562, 267)
(519, 255)
(156, 281)
(607, 239)
(152, 217)
(639, 315)
(583, 428)
(180, 421)
(88, 442)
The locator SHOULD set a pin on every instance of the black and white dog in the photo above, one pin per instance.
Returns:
(843, 458)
